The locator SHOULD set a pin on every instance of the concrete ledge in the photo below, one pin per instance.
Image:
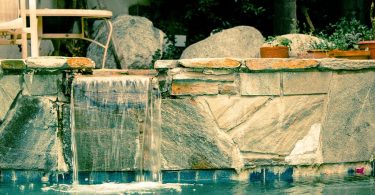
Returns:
(48, 63)
(210, 63)
(12, 64)
(341, 64)
(280, 64)
(267, 64)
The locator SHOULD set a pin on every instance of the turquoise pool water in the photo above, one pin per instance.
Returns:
(356, 184)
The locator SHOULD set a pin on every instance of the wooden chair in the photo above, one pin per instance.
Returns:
(13, 24)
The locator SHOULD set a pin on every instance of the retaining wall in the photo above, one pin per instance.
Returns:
(242, 114)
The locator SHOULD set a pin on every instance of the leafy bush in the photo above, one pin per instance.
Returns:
(322, 44)
(278, 41)
(347, 33)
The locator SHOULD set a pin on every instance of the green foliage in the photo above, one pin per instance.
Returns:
(278, 41)
(345, 34)
(321, 45)
(171, 52)
(156, 56)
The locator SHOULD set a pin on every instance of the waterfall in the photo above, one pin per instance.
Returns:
(115, 122)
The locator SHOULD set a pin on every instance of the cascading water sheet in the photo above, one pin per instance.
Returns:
(115, 126)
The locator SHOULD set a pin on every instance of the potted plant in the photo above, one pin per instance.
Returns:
(276, 47)
(369, 42)
(345, 37)
(320, 49)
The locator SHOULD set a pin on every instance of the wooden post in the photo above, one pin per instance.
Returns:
(24, 31)
(33, 29)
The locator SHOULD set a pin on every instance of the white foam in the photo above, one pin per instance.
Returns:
(111, 188)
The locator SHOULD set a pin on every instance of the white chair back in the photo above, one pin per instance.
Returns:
(9, 10)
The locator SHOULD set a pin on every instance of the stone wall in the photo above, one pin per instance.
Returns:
(33, 94)
(216, 113)
(274, 111)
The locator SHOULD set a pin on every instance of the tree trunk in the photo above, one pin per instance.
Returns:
(285, 16)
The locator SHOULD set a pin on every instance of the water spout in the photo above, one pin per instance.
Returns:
(115, 125)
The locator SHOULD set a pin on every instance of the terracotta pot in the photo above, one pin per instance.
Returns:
(350, 54)
(368, 45)
(274, 52)
(317, 54)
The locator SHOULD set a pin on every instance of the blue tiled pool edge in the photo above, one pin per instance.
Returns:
(286, 173)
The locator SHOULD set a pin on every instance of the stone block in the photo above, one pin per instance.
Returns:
(57, 62)
(165, 64)
(191, 139)
(189, 76)
(218, 71)
(228, 89)
(275, 127)
(28, 136)
(260, 83)
(46, 62)
(42, 84)
(80, 63)
(9, 88)
(13, 64)
(299, 83)
(230, 112)
(349, 130)
(210, 63)
(280, 64)
(344, 64)
(195, 88)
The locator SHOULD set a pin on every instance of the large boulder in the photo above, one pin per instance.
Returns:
(135, 40)
(300, 43)
(238, 42)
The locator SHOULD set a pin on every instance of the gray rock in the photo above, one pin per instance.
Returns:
(191, 139)
(135, 40)
(307, 151)
(349, 130)
(42, 84)
(10, 86)
(28, 136)
(344, 64)
(300, 43)
(274, 127)
(237, 42)
(260, 83)
(229, 112)
(299, 83)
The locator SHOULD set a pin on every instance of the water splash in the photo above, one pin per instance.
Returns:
(113, 188)
(115, 123)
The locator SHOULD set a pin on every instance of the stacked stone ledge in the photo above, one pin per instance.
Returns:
(213, 76)
(33, 94)
(288, 99)
(251, 112)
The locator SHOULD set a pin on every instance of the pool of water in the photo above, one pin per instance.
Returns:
(314, 185)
